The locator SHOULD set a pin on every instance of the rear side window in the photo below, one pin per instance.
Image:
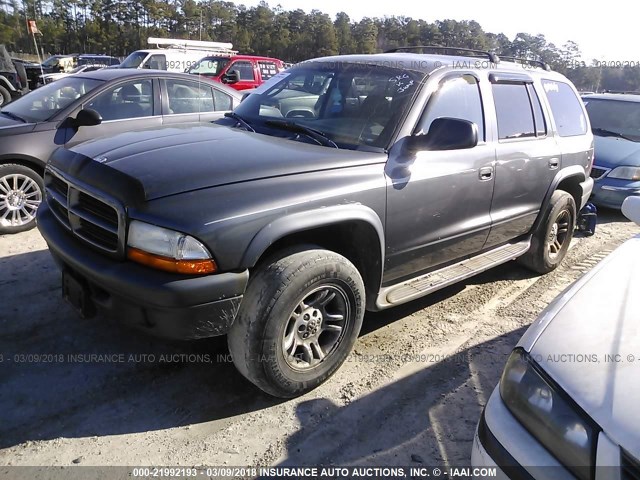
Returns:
(513, 109)
(566, 109)
(267, 69)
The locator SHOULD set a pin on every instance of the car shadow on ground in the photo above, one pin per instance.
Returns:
(610, 215)
(426, 418)
(62, 376)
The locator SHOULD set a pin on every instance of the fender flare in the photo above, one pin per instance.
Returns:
(300, 221)
(7, 84)
(574, 171)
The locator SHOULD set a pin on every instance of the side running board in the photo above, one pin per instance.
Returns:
(432, 281)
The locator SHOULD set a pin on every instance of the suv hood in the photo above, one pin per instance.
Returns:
(598, 316)
(176, 159)
(613, 152)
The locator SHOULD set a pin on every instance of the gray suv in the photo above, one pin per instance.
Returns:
(341, 185)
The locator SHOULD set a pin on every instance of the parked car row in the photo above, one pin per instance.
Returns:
(86, 106)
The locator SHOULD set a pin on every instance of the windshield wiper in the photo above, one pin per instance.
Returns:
(14, 116)
(240, 120)
(317, 135)
(610, 133)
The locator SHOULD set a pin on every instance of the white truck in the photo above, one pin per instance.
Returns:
(175, 55)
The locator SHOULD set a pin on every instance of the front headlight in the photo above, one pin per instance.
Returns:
(167, 250)
(625, 173)
(549, 414)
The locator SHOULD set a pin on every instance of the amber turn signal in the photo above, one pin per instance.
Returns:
(187, 267)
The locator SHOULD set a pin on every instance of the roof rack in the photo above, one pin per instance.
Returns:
(539, 63)
(217, 47)
(490, 55)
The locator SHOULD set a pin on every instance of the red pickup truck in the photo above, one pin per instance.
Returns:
(241, 72)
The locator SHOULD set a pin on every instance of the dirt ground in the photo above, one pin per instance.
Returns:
(91, 392)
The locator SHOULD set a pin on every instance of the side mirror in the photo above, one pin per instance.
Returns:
(231, 77)
(445, 134)
(87, 118)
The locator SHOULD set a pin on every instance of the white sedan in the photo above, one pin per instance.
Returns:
(52, 77)
(568, 402)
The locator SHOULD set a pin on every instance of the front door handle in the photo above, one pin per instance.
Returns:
(554, 163)
(485, 173)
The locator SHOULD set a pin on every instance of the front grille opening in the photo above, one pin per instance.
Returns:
(597, 172)
(58, 185)
(98, 235)
(99, 209)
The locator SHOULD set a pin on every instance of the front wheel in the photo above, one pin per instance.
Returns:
(299, 319)
(20, 195)
(550, 242)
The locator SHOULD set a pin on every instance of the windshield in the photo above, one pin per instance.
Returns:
(615, 116)
(46, 101)
(354, 105)
(134, 60)
(51, 61)
(211, 66)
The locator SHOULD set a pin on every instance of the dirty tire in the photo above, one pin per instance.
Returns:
(551, 240)
(315, 284)
(20, 216)
(5, 96)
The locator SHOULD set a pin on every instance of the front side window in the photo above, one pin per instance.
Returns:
(457, 97)
(566, 109)
(244, 69)
(126, 100)
(514, 112)
(354, 106)
(46, 101)
(211, 66)
(156, 62)
(134, 60)
(188, 97)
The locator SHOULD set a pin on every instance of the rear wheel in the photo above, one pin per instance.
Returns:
(20, 195)
(550, 242)
(299, 319)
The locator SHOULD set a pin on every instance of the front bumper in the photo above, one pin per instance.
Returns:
(501, 442)
(159, 303)
(611, 193)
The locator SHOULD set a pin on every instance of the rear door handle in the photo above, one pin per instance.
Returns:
(554, 163)
(485, 173)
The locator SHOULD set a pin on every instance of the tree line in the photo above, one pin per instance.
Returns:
(118, 27)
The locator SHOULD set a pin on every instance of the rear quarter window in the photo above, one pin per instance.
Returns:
(566, 109)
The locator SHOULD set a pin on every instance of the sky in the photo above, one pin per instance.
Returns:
(602, 34)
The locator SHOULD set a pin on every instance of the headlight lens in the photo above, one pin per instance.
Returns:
(549, 414)
(625, 173)
(168, 250)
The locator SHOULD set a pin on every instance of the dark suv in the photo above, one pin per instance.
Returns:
(341, 185)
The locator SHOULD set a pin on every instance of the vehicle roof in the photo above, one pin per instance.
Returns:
(427, 63)
(108, 74)
(621, 97)
(243, 57)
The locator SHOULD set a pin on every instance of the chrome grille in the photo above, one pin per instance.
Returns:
(95, 220)
(630, 467)
(598, 172)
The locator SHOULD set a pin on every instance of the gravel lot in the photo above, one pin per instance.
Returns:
(91, 392)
